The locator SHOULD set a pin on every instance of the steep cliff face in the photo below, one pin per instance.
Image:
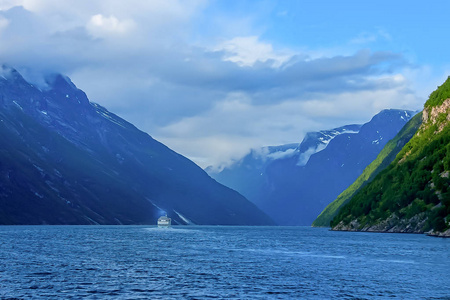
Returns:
(413, 193)
(65, 160)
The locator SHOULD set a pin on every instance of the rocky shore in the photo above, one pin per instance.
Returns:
(445, 234)
(393, 224)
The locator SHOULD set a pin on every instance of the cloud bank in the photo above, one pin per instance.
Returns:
(211, 101)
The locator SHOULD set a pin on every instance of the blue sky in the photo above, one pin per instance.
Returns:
(212, 79)
(413, 28)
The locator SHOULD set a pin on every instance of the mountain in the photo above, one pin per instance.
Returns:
(413, 193)
(294, 183)
(65, 160)
(386, 156)
(248, 175)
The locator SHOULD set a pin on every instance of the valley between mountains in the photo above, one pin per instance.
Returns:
(66, 160)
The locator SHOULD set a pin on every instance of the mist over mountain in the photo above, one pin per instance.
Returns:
(384, 158)
(294, 183)
(65, 160)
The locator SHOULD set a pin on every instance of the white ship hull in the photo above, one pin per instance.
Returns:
(164, 222)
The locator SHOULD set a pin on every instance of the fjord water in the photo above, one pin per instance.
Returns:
(196, 262)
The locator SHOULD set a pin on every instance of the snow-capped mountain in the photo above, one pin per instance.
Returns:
(315, 142)
(65, 160)
(248, 175)
(293, 183)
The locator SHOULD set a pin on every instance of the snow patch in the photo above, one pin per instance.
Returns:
(350, 131)
(38, 168)
(51, 185)
(18, 105)
(38, 195)
(186, 220)
(109, 118)
(152, 203)
(327, 137)
(92, 221)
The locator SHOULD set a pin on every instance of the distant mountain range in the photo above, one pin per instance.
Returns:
(294, 183)
(412, 193)
(65, 160)
(384, 158)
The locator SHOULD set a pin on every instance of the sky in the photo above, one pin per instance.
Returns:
(213, 79)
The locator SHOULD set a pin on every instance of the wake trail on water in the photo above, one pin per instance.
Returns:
(172, 230)
(397, 261)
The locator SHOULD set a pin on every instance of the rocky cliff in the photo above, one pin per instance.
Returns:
(413, 193)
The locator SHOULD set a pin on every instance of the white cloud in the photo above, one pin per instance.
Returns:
(305, 156)
(246, 51)
(211, 103)
(242, 125)
(100, 25)
(281, 154)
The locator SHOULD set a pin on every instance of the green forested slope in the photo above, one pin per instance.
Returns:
(386, 156)
(412, 194)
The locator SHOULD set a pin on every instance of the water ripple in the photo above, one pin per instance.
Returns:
(133, 262)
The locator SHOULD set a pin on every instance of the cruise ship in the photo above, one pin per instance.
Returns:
(164, 222)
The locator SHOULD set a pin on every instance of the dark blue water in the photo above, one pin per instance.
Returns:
(133, 262)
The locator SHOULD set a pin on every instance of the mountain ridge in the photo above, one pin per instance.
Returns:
(294, 189)
(95, 167)
(384, 158)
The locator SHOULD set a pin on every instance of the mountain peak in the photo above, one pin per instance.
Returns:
(405, 115)
(61, 86)
(315, 142)
(301, 180)
(55, 85)
(59, 81)
(9, 73)
(64, 162)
